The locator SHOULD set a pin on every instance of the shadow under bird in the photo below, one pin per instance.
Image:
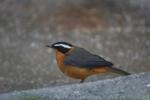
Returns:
(78, 63)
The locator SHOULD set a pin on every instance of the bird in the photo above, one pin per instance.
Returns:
(78, 63)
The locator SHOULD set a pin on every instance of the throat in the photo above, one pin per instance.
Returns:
(60, 60)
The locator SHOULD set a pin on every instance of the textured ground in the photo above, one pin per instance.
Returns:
(135, 87)
(118, 30)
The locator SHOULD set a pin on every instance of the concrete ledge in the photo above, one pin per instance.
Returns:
(133, 87)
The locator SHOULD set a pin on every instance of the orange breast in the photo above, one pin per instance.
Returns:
(60, 60)
(72, 71)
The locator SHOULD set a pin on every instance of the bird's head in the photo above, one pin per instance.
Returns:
(62, 47)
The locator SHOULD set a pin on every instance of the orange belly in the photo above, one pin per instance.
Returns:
(77, 72)
(82, 73)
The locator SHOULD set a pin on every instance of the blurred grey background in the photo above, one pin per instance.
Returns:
(118, 30)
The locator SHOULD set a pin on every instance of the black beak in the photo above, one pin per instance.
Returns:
(48, 46)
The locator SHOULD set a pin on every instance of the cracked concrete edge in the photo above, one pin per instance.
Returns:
(133, 87)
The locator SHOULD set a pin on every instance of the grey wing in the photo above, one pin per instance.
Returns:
(82, 58)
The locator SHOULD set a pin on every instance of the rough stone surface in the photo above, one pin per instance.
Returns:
(133, 87)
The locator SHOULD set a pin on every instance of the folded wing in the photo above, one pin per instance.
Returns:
(81, 58)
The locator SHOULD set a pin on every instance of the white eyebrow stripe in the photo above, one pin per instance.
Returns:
(63, 45)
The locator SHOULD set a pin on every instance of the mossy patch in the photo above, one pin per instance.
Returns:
(32, 97)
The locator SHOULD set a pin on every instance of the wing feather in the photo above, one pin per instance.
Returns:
(81, 58)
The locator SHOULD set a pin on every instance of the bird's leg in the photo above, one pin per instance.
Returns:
(82, 80)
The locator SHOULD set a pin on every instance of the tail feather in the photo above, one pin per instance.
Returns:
(119, 71)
